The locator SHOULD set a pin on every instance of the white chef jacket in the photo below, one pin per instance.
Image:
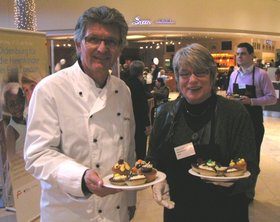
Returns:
(73, 126)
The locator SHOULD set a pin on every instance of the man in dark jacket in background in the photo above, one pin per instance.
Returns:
(140, 107)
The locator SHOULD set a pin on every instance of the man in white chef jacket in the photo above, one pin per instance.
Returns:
(80, 124)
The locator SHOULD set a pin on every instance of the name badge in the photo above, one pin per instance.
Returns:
(241, 86)
(184, 151)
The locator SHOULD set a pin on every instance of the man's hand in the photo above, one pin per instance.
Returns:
(245, 100)
(95, 184)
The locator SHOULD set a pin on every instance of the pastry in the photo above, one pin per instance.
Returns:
(233, 172)
(118, 179)
(121, 167)
(239, 163)
(148, 171)
(205, 168)
(236, 96)
(220, 169)
(135, 179)
(236, 168)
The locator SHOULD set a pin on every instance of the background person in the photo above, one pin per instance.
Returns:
(60, 65)
(160, 92)
(277, 74)
(256, 90)
(155, 71)
(28, 82)
(80, 123)
(211, 126)
(140, 107)
(15, 132)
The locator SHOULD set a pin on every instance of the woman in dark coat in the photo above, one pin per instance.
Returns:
(200, 124)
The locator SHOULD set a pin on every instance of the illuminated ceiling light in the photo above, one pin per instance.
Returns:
(141, 47)
(57, 45)
(129, 37)
(25, 14)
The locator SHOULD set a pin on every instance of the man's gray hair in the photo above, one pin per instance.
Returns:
(104, 16)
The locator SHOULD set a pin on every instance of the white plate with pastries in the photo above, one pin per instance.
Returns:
(219, 178)
(160, 177)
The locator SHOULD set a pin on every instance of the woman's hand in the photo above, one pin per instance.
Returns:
(161, 195)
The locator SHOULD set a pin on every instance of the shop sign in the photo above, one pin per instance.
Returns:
(163, 21)
(139, 21)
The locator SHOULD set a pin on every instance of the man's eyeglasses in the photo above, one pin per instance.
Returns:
(96, 41)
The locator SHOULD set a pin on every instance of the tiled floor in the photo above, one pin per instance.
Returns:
(265, 208)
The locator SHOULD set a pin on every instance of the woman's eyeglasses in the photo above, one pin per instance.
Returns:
(187, 75)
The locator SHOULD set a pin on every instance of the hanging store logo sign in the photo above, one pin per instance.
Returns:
(138, 21)
(165, 21)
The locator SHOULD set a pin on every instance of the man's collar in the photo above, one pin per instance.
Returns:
(246, 70)
(96, 84)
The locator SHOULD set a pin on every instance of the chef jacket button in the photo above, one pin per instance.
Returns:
(97, 165)
(91, 116)
(95, 140)
(118, 207)
(116, 91)
(121, 138)
(118, 114)
(81, 93)
(100, 211)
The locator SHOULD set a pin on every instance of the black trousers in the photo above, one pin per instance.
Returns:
(140, 144)
(231, 209)
(259, 134)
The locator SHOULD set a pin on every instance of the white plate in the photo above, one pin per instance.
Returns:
(219, 179)
(160, 177)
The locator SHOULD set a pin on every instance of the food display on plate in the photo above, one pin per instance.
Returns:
(141, 173)
(211, 168)
(234, 96)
